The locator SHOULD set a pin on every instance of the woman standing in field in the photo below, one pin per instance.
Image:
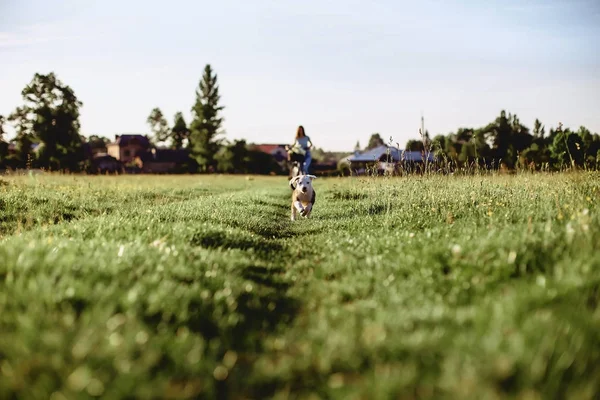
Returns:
(302, 146)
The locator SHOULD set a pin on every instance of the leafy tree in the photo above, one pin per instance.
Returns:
(261, 163)
(233, 158)
(499, 134)
(506, 140)
(98, 143)
(567, 148)
(591, 145)
(438, 145)
(521, 138)
(357, 146)
(468, 153)
(50, 117)
(482, 148)
(452, 147)
(158, 125)
(25, 136)
(463, 135)
(3, 144)
(536, 154)
(414, 145)
(180, 133)
(206, 125)
(588, 146)
(538, 129)
(375, 141)
(2, 122)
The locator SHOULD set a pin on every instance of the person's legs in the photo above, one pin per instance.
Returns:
(307, 160)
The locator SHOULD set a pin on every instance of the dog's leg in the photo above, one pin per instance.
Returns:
(293, 212)
(299, 206)
(307, 210)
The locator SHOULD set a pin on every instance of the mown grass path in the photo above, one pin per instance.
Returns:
(201, 287)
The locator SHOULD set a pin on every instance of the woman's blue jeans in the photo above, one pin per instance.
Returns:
(307, 160)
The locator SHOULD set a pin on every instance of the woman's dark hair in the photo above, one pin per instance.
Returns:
(300, 132)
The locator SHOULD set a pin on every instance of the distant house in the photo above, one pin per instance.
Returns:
(276, 150)
(126, 148)
(161, 161)
(384, 158)
(103, 163)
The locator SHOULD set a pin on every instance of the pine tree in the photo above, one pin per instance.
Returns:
(206, 125)
(180, 132)
(375, 141)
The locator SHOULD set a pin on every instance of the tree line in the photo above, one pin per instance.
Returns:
(48, 136)
(507, 143)
(48, 133)
(48, 130)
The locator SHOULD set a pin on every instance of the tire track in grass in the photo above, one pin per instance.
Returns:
(246, 222)
(270, 306)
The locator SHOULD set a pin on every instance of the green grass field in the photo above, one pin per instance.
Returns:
(201, 287)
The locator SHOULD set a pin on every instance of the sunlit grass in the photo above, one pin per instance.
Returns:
(200, 286)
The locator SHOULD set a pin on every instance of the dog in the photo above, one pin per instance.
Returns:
(303, 195)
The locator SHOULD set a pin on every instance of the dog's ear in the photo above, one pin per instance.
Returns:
(293, 182)
(312, 177)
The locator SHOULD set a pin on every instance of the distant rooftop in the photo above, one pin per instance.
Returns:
(382, 153)
(126, 139)
(268, 148)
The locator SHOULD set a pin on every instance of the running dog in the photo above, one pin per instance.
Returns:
(303, 195)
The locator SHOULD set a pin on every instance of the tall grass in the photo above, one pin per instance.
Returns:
(428, 285)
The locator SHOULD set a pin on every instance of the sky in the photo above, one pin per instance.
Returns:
(343, 69)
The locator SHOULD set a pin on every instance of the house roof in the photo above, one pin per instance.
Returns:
(381, 154)
(165, 155)
(124, 140)
(269, 148)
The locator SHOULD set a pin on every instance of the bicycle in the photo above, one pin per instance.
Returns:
(297, 162)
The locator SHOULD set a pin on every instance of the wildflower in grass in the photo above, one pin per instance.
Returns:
(541, 280)
(570, 231)
(456, 249)
(512, 256)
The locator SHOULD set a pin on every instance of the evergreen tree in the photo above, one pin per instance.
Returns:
(375, 141)
(206, 125)
(179, 133)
